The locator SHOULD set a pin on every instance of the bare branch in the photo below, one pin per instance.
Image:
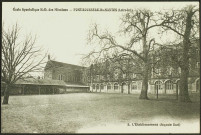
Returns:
(19, 58)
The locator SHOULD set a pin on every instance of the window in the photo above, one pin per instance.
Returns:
(170, 71)
(97, 86)
(61, 77)
(101, 77)
(134, 75)
(97, 77)
(109, 87)
(198, 65)
(116, 75)
(179, 70)
(158, 85)
(169, 85)
(134, 86)
(93, 86)
(124, 86)
(158, 71)
(198, 52)
(116, 86)
(101, 86)
(124, 75)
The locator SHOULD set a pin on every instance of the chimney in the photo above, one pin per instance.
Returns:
(48, 57)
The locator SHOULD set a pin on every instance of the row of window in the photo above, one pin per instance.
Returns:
(134, 86)
(168, 85)
(170, 70)
(116, 75)
(72, 78)
(115, 86)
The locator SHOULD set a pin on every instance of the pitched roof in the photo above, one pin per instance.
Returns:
(52, 63)
(48, 82)
(33, 81)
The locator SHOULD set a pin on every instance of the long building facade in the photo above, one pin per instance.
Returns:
(161, 80)
(160, 85)
(126, 78)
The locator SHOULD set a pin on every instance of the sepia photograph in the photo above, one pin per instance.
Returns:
(100, 67)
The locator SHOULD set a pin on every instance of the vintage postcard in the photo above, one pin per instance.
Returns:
(100, 67)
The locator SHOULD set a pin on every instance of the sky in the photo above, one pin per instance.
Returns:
(64, 33)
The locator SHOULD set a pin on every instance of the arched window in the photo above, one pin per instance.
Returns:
(97, 86)
(134, 86)
(109, 86)
(158, 85)
(169, 85)
(124, 87)
(116, 86)
(93, 86)
(101, 86)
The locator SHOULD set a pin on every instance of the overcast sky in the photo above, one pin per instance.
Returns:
(64, 33)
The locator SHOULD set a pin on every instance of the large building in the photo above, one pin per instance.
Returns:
(111, 77)
(162, 80)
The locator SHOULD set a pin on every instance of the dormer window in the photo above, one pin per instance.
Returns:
(170, 71)
(158, 71)
(134, 75)
(179, 69)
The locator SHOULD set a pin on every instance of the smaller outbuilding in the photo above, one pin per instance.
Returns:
(32, 86)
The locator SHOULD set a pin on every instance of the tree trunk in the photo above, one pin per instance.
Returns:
(183, 95)
(144, 90)
(6, 94)
(129, 87)
(177, 92)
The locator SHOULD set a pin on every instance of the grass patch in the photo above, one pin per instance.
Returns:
(67, 113)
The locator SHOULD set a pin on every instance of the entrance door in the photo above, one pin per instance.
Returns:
(124, 88)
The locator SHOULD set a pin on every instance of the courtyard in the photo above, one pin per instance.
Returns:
(98, 113)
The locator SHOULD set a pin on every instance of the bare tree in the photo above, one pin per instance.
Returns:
(18, 58)
(137, 25)
(185, 23)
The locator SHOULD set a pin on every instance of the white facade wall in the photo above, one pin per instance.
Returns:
(125, 89)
